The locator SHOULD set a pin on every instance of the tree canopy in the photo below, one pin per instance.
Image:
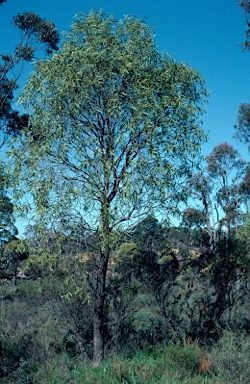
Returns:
(106, 110)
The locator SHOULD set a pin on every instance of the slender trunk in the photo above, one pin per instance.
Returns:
(99, 302)
(100, 291)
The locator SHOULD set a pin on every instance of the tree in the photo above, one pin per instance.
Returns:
(243, 124)
(245, 189)
(226, 168)
(220, 194)
(217, 192)
(244, 230)
(114, 128)
(243, 121)
(8, 231)
(200, 190)
(147, 234)
(194, 221)
(35, 32)
(13, 253)
(245, 6)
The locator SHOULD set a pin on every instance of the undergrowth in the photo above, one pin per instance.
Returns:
(162, 364)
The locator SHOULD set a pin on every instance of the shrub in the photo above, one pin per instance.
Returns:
(231, 356)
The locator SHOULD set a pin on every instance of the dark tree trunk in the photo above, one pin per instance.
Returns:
(99, 315)
(100, 288)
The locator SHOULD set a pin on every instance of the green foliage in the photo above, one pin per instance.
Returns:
(31, 332)
(44, 31)
(126, 250)
(35, 32)
(222, 161)
(231, 357)
(243, 123)
(7, 227)
(8, 232)
(194, 218)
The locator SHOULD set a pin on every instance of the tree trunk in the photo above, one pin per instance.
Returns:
(99, 315)
(100, 288)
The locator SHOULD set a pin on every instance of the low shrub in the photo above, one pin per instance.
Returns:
(231, 357)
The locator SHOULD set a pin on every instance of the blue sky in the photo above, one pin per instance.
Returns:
(205, 34)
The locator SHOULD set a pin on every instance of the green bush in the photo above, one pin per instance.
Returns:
(31, 333)
(44, 289)
(231, 357)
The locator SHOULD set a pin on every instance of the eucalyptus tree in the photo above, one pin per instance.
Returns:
(115, 124)
(218, 198)
(35, 33)
(217, 193)
(243, 124)
(245, 6)
(226, 169)
(8, 231)
(243, 121)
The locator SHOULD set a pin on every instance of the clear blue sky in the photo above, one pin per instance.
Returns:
(206, 34)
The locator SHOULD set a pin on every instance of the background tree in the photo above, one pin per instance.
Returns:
(226, 168)
(245, 6)
(219, 270)
(200, 190)
(114, 129)
(35, 33)
(243, 124)
(245, 189)
(217, 192)
(243, 121)
(8, 231)
(14, 252)
(7, 222)
(195, 221)
(243, 132)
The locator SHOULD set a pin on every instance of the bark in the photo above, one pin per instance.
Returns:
(99, 315)
(100, 289)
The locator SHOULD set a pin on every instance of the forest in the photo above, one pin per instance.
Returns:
(135, 265)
